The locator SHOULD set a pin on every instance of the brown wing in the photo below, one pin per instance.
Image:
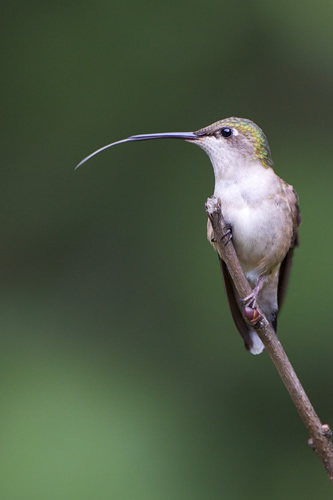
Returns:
(287, 262)
(234, 308)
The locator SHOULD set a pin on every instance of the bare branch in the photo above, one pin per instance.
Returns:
(320, 435)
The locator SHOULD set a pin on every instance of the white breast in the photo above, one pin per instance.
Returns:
(251, 205)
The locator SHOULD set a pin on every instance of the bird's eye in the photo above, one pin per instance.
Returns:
(226, 132)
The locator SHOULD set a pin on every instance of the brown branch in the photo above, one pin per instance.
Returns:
(320, 435)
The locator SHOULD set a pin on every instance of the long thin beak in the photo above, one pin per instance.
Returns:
(188, 136)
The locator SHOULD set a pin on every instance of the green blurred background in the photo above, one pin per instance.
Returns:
(122, 374)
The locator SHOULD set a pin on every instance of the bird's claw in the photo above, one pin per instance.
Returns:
(227, 234)
(250, 305)
(250, 301)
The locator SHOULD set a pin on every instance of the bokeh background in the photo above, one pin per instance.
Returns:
(122, 374)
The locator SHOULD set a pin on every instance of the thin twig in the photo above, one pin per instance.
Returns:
(320, 435)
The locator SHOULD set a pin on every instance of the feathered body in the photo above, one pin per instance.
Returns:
(261, 209)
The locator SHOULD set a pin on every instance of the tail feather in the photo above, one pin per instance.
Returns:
(257, 346)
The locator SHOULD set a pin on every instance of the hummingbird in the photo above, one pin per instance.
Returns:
(260, 209)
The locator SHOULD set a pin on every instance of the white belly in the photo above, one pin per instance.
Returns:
(261, 229)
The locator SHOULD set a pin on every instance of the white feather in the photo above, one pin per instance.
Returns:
(257, 346)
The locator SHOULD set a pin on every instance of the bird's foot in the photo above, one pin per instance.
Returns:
(251, 300)
(214, 205)
(227, 234)
(250, 303)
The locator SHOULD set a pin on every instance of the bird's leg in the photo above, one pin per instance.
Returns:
(227, 233)
(250, 302)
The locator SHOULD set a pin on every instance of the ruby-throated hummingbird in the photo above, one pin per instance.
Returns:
(260, 208)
